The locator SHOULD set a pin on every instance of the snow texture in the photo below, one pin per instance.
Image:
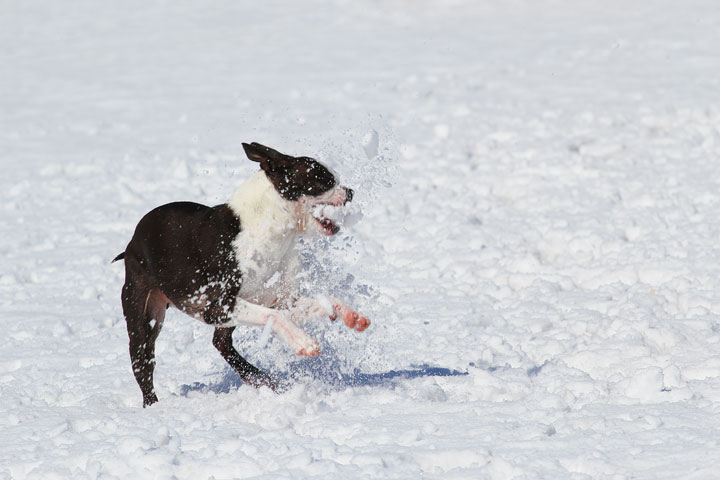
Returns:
(539, 252)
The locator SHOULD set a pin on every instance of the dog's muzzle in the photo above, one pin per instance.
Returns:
(335, 213)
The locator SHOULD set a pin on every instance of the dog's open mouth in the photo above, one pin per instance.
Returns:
(332, 217)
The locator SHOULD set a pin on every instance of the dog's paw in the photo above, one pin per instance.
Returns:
(149, 399)
(362, 323)
(304, 345)
(260, 379)
(294, 335)
(351, 318)
(310, 349)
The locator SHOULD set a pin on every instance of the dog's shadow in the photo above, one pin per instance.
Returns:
(392, 377)
(332, 378)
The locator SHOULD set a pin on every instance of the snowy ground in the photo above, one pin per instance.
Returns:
(539, 253)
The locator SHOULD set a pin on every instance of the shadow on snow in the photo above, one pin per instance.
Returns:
(332, 378)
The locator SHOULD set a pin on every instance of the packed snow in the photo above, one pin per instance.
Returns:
(539, 248)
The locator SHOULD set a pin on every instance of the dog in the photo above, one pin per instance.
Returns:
(234, 264)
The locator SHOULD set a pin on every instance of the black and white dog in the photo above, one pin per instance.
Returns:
(234, 264)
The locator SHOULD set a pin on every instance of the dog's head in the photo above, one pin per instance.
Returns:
(309, 184)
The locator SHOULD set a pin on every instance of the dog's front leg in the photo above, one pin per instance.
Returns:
(246, 313)
(304, 309)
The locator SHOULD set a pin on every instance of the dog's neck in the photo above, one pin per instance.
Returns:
(261, 210)
(265, 246)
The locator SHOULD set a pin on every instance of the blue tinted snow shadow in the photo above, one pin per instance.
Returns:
(359, 379)
(334, 379)
(331, 374)
(226, 385)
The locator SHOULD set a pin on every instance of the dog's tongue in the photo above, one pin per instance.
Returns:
(345, 216)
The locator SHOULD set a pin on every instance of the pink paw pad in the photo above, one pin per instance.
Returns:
(309, 352)
(352, 319)
(362, 323)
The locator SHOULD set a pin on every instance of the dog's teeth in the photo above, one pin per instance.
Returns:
(332, 216)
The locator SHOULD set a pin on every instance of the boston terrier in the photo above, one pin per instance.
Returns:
(234, 264)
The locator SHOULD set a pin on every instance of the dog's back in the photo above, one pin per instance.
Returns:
(183, 245)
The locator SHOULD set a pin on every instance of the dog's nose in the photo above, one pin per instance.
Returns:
(348, 194)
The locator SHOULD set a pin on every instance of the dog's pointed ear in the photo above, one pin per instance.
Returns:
(270, 160)
(260, 153)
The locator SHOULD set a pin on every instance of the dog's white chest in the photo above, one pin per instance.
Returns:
(265, 247)
(266, 264)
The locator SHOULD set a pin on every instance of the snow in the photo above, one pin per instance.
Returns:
(538, 252)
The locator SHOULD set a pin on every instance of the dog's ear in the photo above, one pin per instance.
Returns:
(262, 154)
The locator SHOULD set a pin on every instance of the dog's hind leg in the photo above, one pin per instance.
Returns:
(144, 313)
(222, 340)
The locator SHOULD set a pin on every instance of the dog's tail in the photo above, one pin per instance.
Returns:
(119, 257)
